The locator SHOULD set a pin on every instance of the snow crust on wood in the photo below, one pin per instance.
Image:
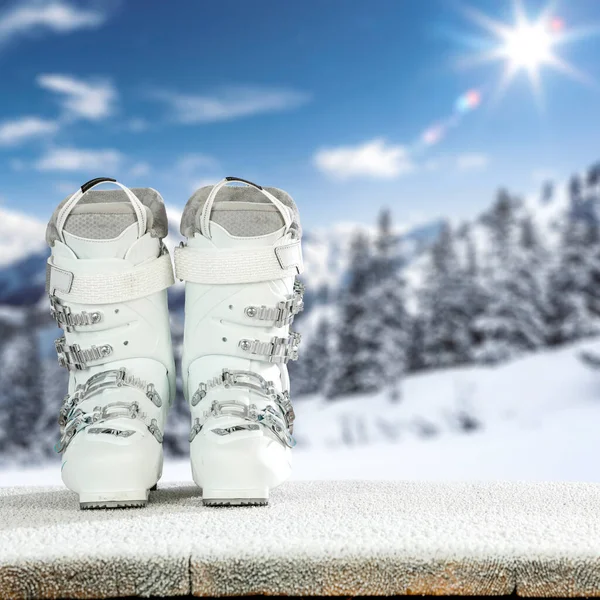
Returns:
(315, 538)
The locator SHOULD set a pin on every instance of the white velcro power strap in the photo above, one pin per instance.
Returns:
(107, 288)
(219, 266)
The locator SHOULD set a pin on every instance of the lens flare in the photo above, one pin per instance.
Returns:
(557, 25)
(464, 104)
(468, 101)
(433, 135)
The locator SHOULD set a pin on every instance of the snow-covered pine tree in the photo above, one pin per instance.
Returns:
(353, 370)
(547, 193)
(575, 191)
(514, 318)
(476, 290)
(388, 322)
(445, 306)
(593, 179)
(389, 326)
(572, 285)
(591, 210)
(383, 263)
(54, 384)
(415, 352)
(21, 382)
(309, 375)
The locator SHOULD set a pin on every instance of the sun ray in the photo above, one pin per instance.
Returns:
(577, 35)
(474, 60)
(492, 26)
(520, 14)
(507, 76)
(568, 69)
(548, 11)
(536, 85)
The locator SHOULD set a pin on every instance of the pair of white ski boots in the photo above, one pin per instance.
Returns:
(107, 278)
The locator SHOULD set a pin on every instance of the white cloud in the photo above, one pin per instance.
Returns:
(230, 103)
(472, 162)
(196, 170)
(188, 164)
(139, 169)
(66, 187)
(25, 128)
(93, 100)
(203, 182)
(26, 18)
(77, 159)
(375, 158)
(137, 125)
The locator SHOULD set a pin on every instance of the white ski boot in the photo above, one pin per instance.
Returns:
(240, 262)
(107, 279)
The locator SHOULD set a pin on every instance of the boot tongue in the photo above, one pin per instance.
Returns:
(101, 230)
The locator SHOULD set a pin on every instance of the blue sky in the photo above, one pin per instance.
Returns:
(327, 100)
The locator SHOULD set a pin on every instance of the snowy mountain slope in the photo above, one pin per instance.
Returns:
(535, 417)
(22, 282)
(20, 235)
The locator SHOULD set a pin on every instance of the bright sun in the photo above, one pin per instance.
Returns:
(528, 46)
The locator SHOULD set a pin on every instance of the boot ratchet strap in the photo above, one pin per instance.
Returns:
(73, 419)
(283, 314)
(277, 350)
(267, 417)
(75, 358)
(68, 320)
(115, 378)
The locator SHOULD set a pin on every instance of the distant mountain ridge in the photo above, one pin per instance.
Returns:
(23, 252)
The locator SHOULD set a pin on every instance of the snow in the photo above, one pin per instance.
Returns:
(20, 235)
(314, 539)
(537, 418)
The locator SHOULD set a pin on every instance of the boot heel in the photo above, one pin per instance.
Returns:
(235, 497)
(131, 499)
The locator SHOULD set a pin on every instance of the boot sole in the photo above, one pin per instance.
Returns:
(235, 501)
(235, 497)
(109, 500)
(113, 504)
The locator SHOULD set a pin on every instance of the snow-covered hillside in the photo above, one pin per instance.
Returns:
(536, 418)
(20, 236)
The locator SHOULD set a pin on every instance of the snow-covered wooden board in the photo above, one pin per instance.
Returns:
(315, 538)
